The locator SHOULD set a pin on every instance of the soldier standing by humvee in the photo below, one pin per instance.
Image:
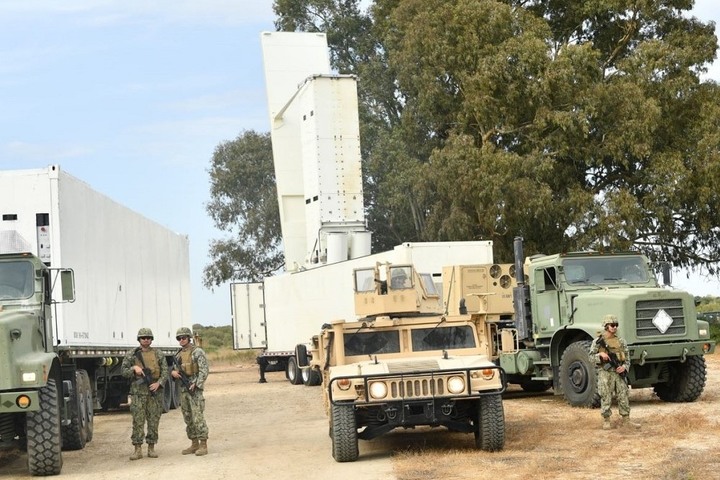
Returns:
(149, 370)
(611, 353)
(191, 368)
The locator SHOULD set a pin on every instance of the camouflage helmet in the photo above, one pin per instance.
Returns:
(183, 332)
(145, 332)
(608, 319)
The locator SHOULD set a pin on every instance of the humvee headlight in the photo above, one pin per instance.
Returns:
(456, 385)
(378, 390)
(22, 401)
(28, 377)
(344, 384)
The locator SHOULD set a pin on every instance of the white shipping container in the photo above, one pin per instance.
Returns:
(297, 304)
(130, 272)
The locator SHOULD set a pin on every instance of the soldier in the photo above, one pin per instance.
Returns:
(191, 367)
(148, 368)
(610, 352)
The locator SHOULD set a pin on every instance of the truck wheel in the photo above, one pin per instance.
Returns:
(87, 392)
(311, 377)
(490, 432)
(535, 386)
(74, 434)
(686, 381)
(578, 376)
(344, 433)
(44, 439)
(293, 373)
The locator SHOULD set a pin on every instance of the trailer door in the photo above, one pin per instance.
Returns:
(248, 315)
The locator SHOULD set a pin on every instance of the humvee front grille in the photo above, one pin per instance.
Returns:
(646, 311)
(414, 388)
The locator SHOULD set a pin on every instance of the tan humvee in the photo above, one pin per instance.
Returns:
(409, 361)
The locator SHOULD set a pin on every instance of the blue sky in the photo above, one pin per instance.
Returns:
(132, 97)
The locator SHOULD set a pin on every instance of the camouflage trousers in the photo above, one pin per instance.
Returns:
(193, 411)
(146, 408)
(611, 384)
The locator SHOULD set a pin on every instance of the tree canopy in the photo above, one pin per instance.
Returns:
(577, 125)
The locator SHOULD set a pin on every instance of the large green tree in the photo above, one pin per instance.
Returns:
(243, 204)
(574, 124)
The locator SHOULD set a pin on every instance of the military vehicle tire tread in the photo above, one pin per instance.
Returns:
(490, 433)
(687, 381)
(344, 433)
(44, 439)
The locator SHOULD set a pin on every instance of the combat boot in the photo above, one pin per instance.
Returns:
(203, 448)
(137, 454)
(192, 448)
(627, 423)
(151, 451)
(606, 424)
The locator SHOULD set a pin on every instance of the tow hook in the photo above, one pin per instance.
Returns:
(642, 357)
(683, 357)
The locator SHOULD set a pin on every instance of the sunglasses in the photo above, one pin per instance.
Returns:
(145, 338)
(612, 325)
(183, 337)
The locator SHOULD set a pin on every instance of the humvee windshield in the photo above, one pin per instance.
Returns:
(605, 270)
(446, 338)
(369, 343)
(16, 280)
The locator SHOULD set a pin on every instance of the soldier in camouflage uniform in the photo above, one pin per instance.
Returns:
(611, 381)
(191, 363)
(146, 404)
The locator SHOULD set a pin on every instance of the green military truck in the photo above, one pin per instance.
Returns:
(558, 303)
(34, 410)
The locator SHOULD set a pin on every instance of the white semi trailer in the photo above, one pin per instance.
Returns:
(129, 272)
(316, 154)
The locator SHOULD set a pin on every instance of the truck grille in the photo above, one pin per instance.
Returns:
(415, 388)
(646, 310)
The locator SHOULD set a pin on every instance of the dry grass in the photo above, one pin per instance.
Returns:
(548, 439)
(228, 357)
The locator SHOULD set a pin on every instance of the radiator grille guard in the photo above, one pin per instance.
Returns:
(654, 316)
(418, 385)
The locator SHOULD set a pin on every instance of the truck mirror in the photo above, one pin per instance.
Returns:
(67, 285)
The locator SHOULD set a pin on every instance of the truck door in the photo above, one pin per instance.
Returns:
(547, 300)
(248, 315)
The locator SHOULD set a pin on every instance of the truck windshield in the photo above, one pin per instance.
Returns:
(444, 338)
(370, 343)
(16, 280)
(605, 270)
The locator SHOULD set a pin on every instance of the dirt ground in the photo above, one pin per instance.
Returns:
(279, 431)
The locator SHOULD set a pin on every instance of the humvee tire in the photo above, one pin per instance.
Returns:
(490, 432)
(344, 433)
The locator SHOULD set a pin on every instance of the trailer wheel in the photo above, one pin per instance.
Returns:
(490, 431)
(686, 381)
(343, 432)
(311, 377)
(74, 434)
(293, 373)
(578, 376)
(44, 438)
(90, 411)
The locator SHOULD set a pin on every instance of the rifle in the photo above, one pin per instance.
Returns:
(184, 379)
(614, 361)
(147, 373)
